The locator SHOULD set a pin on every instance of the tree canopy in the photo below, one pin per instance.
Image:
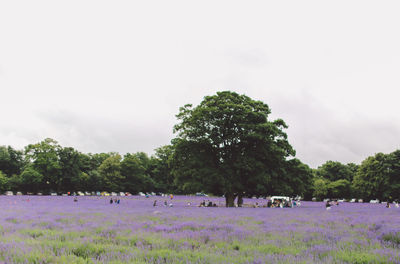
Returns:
(226, 145)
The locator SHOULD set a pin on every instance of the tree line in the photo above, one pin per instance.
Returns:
(224, 146)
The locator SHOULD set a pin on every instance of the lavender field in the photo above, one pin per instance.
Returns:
(47, 229)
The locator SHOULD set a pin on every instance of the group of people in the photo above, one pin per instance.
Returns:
(329, 203)
(166, 204)
(396, 204)
(282, 203)
(116, 201)
(207, 204)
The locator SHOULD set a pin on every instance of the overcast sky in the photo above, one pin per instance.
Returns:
(104, 76)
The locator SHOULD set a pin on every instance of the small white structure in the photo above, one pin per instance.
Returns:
(281, 198)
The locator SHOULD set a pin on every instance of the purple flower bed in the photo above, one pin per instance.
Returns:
(54, 229)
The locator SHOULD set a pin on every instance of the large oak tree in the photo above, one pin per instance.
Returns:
(226, 145)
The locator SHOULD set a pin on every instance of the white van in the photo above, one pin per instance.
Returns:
(9, 193)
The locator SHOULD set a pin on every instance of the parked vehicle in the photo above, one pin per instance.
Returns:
(281, 198)
(9, 193)
(374, 201)
(19, 193)
(53, 194)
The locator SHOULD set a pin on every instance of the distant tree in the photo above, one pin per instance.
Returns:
(353, 168)
(30, 180)
(3, 182)
(70, 162)
(160, 169)
(321, 187)
(11, 161)
(227, 141)
(373, 178)
(334, 170)
(95, 181)
(394, 175)
(134, 171)
(110, 171)
(339, 189)
(95, 160)
(44, 157)
(298, 177)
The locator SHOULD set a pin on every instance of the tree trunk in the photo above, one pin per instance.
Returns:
(230, 200)
(240, 200)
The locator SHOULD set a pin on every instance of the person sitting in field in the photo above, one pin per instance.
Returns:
(155, 203)
(111, 201)
(75, 199)
(165, 203)
(209, 204)
(214, 205)
(118, 201)
(387, 205)
(328, 205)
(269, 203)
